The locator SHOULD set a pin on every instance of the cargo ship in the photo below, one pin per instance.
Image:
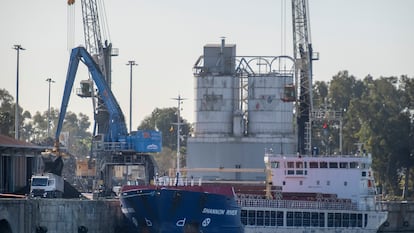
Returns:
(181, 208)
(300, 194)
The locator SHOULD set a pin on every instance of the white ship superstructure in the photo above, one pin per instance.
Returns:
(315, 194)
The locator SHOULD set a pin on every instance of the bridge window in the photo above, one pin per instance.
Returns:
(298, 219)
(365, 220)
(322, 219)
(333, 165)
(323, 165)
(252, 217)
(345, 220)
(259, 218)
(272, 218)
(359, 220)
(267, 218)
(243, 217)
(279, 218)
(330, 219)
(275, 164)
(289, 219)
(338, 220)
(352, 220)
(290, 165)
(353, 165)
(314, 219)
(306, 219)
(313, 164)
(343, 165)
(335, 220)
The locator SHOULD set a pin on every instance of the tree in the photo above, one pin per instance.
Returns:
(383, 127)
(320, 92)
(343, 90)
(77, 126)
(7, 116)
(165, 121)
(6, 113)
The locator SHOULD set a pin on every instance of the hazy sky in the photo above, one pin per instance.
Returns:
(165, 37)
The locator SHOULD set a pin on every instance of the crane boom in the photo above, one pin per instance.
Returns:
(139, 141)
(117, 126)
(302, 51)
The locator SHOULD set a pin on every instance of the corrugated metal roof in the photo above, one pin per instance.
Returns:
(8, 142)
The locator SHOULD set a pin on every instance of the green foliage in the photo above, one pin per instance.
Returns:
(7, 116)
(378, 113)
(34, 128)
(165, 120)
(6, 113)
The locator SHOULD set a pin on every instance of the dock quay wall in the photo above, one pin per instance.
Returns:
(105, 216)
(400, 217)
(60, 216)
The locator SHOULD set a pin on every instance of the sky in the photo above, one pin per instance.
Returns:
(166, 37)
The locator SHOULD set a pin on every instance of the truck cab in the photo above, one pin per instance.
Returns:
(46, 186)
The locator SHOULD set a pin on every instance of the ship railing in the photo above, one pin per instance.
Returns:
(296, 204)
(181, 181)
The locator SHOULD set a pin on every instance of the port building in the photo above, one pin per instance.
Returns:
(18, 161)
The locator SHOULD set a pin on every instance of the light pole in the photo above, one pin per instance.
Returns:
(16, 113)
(49, 80)
(180, 101)
(130, 64)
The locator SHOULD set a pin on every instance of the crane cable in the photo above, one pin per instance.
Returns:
(104, 21)
(283, 27)
(70, 40)
(282, 62)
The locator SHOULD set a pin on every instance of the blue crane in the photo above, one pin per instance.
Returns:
(139, 141)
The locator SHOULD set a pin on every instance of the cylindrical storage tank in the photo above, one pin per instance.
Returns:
(238, 124)
(214, 104)
(267, 113)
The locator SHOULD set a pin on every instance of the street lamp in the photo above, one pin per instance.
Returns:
(130, 64)
(16, 113)
(49, 80)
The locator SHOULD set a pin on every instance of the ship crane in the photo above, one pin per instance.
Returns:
(303, 56)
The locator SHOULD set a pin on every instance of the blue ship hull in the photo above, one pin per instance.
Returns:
(169, 210)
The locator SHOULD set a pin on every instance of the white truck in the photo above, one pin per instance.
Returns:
(47, 185)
